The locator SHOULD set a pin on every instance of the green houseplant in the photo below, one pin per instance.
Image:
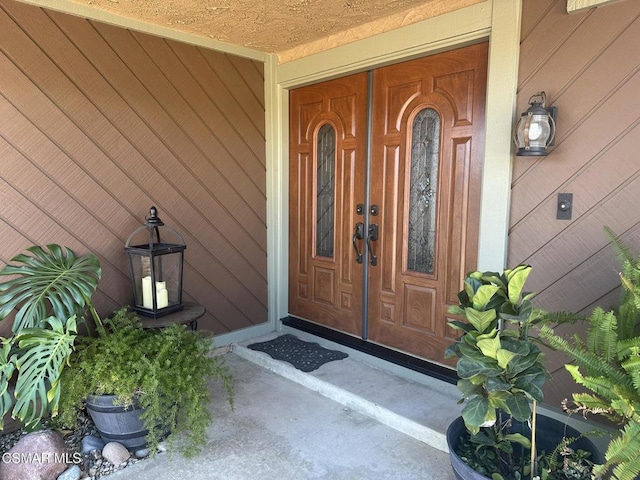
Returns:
(163, 372)
(48, 293)
(49, 290)
(501, 375)
(607, 364)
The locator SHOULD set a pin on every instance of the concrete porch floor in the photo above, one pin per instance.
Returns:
(348, 420)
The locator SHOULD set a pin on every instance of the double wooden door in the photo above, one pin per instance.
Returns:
(385, 171)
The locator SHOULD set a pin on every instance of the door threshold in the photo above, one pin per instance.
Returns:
(384, 353)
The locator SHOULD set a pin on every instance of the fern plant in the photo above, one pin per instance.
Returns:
(607, 364)
(165, 372)
(49, 291)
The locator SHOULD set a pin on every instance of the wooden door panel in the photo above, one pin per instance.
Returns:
(327, 290)
(408, 308)
(388, 219)
(461, 241)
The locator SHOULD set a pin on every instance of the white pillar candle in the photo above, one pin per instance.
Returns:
(147, 298)
(162, 297)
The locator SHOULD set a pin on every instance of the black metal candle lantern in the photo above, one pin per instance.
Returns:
(156, 268)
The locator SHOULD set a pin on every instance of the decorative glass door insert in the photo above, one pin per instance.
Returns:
(425, 155)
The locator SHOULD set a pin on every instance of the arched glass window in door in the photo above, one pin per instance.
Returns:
(423, 188)
(326, 160)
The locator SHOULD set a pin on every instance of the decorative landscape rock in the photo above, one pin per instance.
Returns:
(92, 465)
(142, 453)
(91, 443)
(39, 455)
(115, 453)
(72, 473)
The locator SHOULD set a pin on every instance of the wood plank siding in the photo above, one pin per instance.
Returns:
(99, 123)
(589, 65)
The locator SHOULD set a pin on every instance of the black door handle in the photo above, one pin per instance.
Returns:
(358, 235)
(372, 237)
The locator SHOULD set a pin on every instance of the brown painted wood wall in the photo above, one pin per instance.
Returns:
(99, 123)
(589, 65)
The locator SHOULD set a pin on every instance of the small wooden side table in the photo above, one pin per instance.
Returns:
(189, 315)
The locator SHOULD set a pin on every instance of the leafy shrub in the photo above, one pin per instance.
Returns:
(165, 371)
(501, 374)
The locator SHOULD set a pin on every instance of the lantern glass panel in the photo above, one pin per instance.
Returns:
(165, 276)
(539, 132)
(167, 270)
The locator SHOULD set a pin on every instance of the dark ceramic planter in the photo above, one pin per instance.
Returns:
(550, 433)
(116, 423)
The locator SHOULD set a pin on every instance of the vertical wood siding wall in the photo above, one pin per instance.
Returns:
(589, 65)
(99, 123)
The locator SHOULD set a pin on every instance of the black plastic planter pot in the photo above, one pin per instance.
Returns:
(549, 434)
(115, 423)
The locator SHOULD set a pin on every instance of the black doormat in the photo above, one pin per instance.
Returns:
(305, 356)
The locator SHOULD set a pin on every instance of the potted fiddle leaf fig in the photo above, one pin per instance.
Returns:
(607, 365)
(501, 374)
(47, 292)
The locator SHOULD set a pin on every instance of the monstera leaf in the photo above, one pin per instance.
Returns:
(41, 357)
(48, 282)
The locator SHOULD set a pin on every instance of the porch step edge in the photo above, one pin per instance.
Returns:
(357, 403)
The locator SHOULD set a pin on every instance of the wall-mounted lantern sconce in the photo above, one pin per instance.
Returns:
(156, 268)
(536, 128)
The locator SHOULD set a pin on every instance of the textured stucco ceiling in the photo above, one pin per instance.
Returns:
(291, 28)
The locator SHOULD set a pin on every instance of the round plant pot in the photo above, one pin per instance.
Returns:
(549, 434)
(117, 423)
